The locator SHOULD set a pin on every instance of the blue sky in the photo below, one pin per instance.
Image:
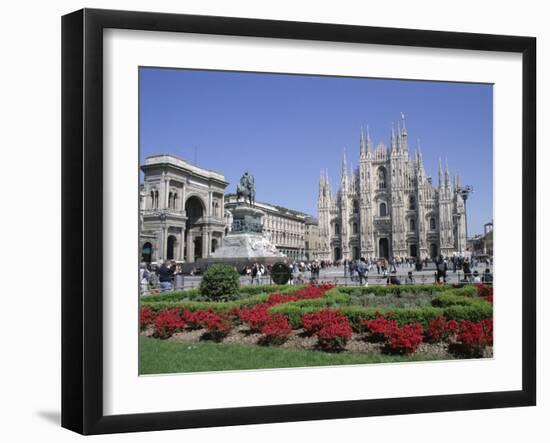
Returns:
(284, 129)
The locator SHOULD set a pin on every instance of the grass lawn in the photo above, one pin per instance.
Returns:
(162, 357)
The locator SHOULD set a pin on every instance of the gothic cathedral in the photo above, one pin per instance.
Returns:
(388, 206)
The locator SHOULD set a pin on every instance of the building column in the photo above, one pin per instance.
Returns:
(163, 243)
(181, 254)
(205, 243)
(190, 247)
(166, 191)
(209, 210)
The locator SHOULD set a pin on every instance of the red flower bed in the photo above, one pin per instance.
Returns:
(380, 328)
(332, 337)
(275, 299)
(256, 317)
(218, 326)
(404, 340)
(332, 328)
(167, 322)
(486, 292)
(314, 321)
(196, 319)
(146, 317)
(276, 330)
(473, 338)
(440, 330)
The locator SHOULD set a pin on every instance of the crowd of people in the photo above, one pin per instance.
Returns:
(162, 276)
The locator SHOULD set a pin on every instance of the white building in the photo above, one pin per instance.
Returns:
(388, 206)
(181, 210)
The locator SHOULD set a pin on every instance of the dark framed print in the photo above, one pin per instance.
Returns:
(268, 221)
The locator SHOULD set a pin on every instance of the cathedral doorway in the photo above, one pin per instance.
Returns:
(433, 250)
(383, 248)
(413, 251)
(355, 253)
(337, 254)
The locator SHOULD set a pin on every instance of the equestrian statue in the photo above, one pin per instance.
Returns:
(245, 189)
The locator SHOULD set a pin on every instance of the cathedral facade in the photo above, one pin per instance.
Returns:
(389, 207)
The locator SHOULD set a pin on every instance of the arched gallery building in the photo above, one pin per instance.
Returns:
(181, 210)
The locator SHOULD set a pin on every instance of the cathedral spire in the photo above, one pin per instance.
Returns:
(440, 175)
(398, 136)
(344, 169)
(404, 144)
(362, 145)
(392, 137)
(446, 173)
(419, 151)
(369, 141)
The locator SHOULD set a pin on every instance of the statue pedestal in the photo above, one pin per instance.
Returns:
(246, 244)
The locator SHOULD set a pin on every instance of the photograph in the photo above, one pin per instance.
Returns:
(295, 221)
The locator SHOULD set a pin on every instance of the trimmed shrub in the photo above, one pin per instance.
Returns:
(220, 282)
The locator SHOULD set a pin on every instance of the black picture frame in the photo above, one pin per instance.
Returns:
(82, 189)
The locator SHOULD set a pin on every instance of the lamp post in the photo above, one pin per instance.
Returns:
(464, 192)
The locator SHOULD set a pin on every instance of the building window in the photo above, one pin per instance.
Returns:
(432, 223)
(412, 203)
(154, 199)
(336, 229)
(383, 210)
(412, 225)
(381, 177)
(355, 207)
(354, 228)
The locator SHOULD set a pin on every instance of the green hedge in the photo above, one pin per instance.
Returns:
(453, 303)
(393, 289)
(449, 299)
(201, 305)
(193, 294)
(188, 294)
(473, 313)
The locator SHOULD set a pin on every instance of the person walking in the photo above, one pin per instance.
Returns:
(363, 272)
(144, 276)
(165, 272)
(441, 265)
(466, 269)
